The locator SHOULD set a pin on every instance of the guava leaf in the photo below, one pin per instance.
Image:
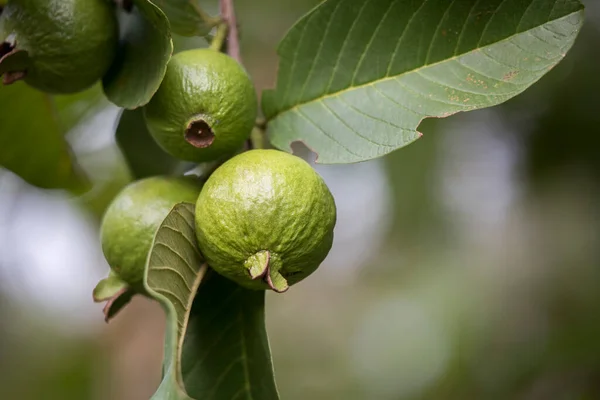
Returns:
(143, 156)
(187, 18)
(32, 129)
(226, 352)
(356, 77)
(141, 62)
(173, 273)
(215, 344)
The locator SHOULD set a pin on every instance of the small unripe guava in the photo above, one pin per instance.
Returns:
(265, 219)
(133, 217)
(57, 46)
(205, 107)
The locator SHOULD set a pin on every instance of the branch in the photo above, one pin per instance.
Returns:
(233, 39)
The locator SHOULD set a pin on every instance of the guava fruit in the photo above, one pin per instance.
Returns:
(265, 219)
(132, 219)
(205, 107)
(57, 46)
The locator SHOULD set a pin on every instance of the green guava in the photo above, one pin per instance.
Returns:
(205, 107)
(57, 46)
(265, 219)
(132, 219)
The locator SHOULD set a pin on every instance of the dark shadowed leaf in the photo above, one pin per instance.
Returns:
(226, 352)
(141, 61)
(32, 129)
(215, 344)
(143, 156)
(356, 77)
(187, 18)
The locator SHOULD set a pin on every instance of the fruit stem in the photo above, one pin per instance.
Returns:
(219, 39)
(258, 139)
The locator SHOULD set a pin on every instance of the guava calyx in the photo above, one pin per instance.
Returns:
(115, 292)
(262, 266)
(199, 134)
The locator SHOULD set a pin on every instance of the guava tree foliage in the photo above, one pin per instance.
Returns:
(355, 80)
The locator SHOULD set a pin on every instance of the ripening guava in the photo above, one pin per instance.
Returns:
(265, 219)
(132, 219)
(205, 107)
(57, 46)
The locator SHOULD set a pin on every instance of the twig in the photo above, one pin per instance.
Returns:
(233, 39)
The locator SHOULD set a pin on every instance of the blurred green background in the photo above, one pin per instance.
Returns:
(466, 266)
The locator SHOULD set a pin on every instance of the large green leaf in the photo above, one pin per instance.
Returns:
(356, 77)
(142, 154)
(215, 345)
(187, 18)
(173, 273)
(32, 144)
(226, 352)
(141, 61)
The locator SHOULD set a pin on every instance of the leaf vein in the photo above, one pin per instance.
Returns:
(406, 29)
(299, 112)
(487, 25)
(169, 293)
(329, 110)
(294, 58)
(373, 118)
(462, 30)
(314, 61)
(523, 16)
(344, 43)
(437, 30)
(368, 45)
(179, 274)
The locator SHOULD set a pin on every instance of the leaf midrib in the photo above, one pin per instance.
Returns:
(388, 78)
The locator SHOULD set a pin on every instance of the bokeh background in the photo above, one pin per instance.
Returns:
(465, 266)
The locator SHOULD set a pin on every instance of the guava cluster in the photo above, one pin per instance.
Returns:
(263, 218)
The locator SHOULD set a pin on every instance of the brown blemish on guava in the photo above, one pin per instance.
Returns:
(7, 50)
(12, 77)
(199, 134)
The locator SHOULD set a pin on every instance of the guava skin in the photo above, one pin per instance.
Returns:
(131, 220)
(208, 90)
(265, 208)
(70, 43)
